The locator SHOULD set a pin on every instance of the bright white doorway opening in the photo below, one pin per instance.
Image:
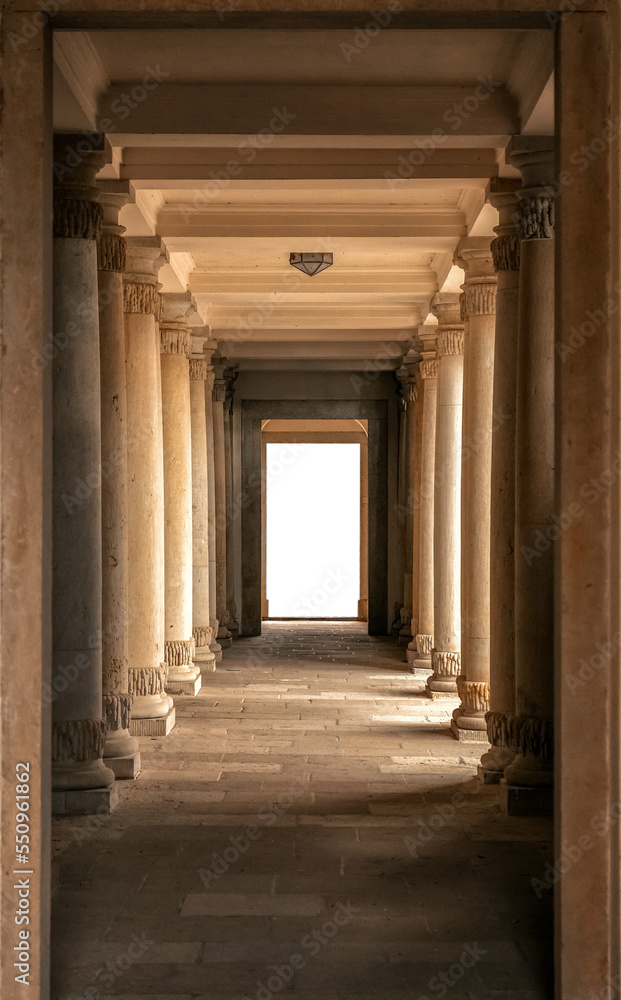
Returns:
(313, 530)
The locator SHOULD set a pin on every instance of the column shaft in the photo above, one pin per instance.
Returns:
(506, 254)
(183, 675)
(422, 644)
(152, 710)
(232, 522)
(402, 627)
(535, 526)
(214, 646)
(121, 750)
(79, 778)
(201, 628)
(479, 308)
(446, 655)
(219, 394)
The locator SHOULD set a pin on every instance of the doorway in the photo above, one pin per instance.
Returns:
(313, 527)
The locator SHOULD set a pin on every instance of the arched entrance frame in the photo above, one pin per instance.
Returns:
(588, 571)
(375, 412)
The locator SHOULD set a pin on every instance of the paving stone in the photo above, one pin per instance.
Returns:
(347, 774)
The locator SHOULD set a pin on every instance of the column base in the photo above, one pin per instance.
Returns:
(418, 668)
(450, 694)
(225, 641)
(190, 685)
(127, 767)
(493, 764)
(153, 727)
(488, 777)
(404, 636)
(517, 800)
(216, 649)
(468, 735)
(79, 776)
(119, 743)
(205, 659)
(85, 801)
(446, 669)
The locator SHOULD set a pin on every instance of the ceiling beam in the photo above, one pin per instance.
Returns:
(477, 108)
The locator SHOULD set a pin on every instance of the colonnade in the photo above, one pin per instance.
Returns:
(140, 509)
(483, 503)
(142, 474)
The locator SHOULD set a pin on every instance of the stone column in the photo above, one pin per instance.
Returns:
(419, 650)
(233, 522)
(506, 255)
(153, 713)
(446, 654)
(479, 313)
(407, 450)
(214, 646)
(121, 752)
(528, 779)
(183, 676)
(219, 395)
(363, 603)
(201, 628)
(80, 780)
(415, 437)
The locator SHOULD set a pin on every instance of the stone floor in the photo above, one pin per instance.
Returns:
(310, 828)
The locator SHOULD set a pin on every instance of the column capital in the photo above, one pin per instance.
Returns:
(450, 337)
(533, 155)
(77, 160)
(409, 379)
(219, 366)
(175, 335)
(111, 247)
(145, 255)
(218, 390)
(502, 194)
(429, 368)
(428, 335)
(198, 369)
(230, 377)
(474, 255)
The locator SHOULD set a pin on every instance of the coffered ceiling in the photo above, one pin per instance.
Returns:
(241, 146)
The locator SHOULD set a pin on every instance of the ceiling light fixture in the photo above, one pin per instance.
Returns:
(311, 263)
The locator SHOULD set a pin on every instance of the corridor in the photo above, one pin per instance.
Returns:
(309, 828)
